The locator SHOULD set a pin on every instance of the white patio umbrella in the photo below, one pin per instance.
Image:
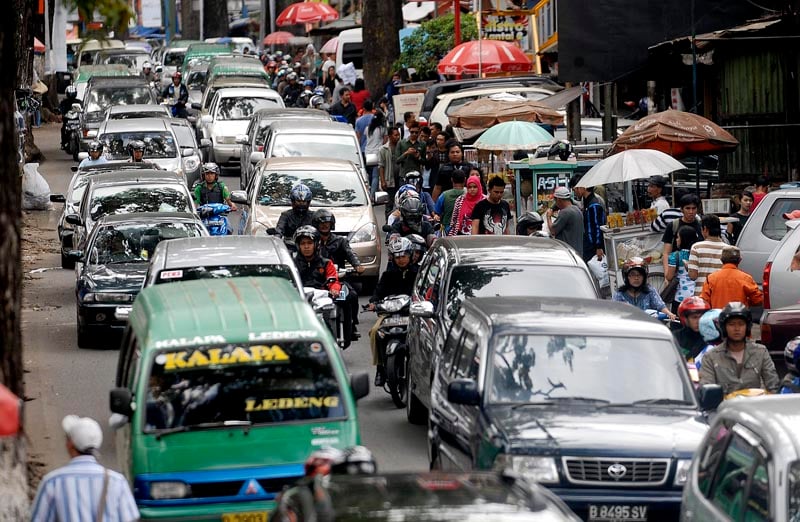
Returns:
(629, 165)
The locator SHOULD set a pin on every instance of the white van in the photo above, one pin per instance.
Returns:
(351, 49)
(88, 51)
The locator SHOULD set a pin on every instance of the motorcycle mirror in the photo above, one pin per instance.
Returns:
(76, 107)
(205, 143)
(196, 106)
(386, 228)
(74, 168)
(159, 69)
(359, 384)
(271, 231)
(381, 198)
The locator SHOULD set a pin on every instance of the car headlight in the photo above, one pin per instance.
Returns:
(90, 133)
(191, 163)
(536, 469)
(365, 234)
(169, 489)
(112, 297)
(682, 472)
(87, 297)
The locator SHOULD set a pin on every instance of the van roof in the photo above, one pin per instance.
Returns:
(236, 309)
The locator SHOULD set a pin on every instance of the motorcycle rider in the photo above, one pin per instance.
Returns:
(147, 72)
(136, 149)
(689, 337)
(298, 215)
(64, 107)
(315, 271)
(337, 249)
(398, 279)
(411, 222)
(636, 291)
(211, 190)
(791, 381)
(292, 90)
(178, 92)
(738, 363)
(530, 224)
(95, 155)
(304, 98)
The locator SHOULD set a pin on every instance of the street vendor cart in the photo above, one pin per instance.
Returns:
(535, 179)
(636, 240)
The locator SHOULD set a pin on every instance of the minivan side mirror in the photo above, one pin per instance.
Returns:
(75, 255)
(82, 156)
(463, 391)
(187, 151)
(205, 118)
(359, 384)
(381, 198)
(196, 106)
(239, 196)
(73, 219)
(710, 396)
(256, 156)
(241, 139)
(121, 401)
(58, 198)
(423, 309)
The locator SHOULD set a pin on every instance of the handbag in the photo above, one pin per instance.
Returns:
(668, 293)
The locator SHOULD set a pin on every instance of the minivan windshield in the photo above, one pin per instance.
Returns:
(598, 369)
(328, 188)
(157, 144)
(243, 108)
(129, 199)
(224, 272)
(101, 98)
(336, 146)
(259, 383)
(516, 280)
(134, 243)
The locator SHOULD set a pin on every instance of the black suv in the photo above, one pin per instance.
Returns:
(104, 91)
(589, 398)
(458, 268)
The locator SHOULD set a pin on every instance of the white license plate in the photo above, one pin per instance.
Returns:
(122, 312)
(255, 516)
(395, 321)
(617, 513)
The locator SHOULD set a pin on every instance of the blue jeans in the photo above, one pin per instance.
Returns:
(374, 181)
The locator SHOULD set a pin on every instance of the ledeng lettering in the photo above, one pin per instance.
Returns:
(287, 403)
(217, 356)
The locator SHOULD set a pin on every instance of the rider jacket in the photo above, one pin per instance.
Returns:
(338, 250)
(181, 97)
(290, 221)
(757, 370)
(317, 271)
(397, 281)
(209, 195)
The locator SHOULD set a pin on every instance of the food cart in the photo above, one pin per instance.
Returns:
(535, 179)
(623, 242)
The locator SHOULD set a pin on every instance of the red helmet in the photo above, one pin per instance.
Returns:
(692, 304)
(177, 75)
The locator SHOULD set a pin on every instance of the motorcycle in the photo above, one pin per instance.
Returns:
(72, 129)
(391, 345)
(214, 217)
(330, 311)
(176, 108)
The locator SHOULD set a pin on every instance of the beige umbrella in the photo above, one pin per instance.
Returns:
(485, 112)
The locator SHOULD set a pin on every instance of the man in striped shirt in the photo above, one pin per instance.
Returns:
(79, 491)
(705, 256)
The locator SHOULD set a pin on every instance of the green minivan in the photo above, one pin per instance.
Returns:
(224, 387)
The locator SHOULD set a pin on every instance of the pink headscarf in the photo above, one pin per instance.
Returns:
(466, 204)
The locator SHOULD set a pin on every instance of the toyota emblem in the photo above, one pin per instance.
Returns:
(617, 471)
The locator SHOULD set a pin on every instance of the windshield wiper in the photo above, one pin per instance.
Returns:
(550, 400)
(205, 425)
(661, 401)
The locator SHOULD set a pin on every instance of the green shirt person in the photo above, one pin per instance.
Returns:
(211, 190)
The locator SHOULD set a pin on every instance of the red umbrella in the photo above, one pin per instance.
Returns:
(278, 38)
(307, 13)
(488, 56)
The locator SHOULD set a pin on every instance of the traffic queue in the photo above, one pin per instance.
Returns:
(548, 392)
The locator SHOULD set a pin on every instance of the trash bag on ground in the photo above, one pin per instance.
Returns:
(35, 190)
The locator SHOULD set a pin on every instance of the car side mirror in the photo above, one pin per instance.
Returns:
(239, 196)
(196, 106)
(381, 198)
(271, 231)
(422, 309)
(82, 156)
(187, 151)
(241, 139)
(121, 401)
(710, 396)
(463, 391)
(359, 384)
(75, 255)
(205, 118)
(205, 143)
(58, 198)
(386, 228)
(73, 219)
(256, 156)
(159, 69)
(308, 292)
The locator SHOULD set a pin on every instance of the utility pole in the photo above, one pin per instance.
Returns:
(457, 21)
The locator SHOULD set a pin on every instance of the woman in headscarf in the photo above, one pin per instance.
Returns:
(461, 222)
(308, 63)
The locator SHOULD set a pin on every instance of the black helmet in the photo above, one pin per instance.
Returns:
(413, 177)
(528, 219)
(635, 263)
(792, 355)
(323, 215)
(732, 310)
(71, 91)
(412, 211)
(306, 231)
(300, 196)
(95, 146)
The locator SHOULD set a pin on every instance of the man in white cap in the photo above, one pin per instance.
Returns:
(83, 490)
(568, 226)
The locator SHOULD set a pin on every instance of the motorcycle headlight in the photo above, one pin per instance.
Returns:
(536, 469)
(190, 163)
(169, 489)
(365, 234)
(682, 472)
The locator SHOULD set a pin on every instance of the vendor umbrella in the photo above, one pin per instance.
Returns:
(485, 56)
(630, 165)
(330, 46)
(676, 133)
(278, 38)
(307, 13)
(513, 135)
(499, 108)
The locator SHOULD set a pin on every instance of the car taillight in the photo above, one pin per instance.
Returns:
(767, 270)
(766, 334)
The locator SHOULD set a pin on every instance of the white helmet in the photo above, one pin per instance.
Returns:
(147, 65)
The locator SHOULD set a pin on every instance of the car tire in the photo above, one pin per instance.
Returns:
(416, 413)
(84, 340)
(434, 463)
(398, 384)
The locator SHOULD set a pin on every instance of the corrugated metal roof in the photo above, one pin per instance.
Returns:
(703, 40)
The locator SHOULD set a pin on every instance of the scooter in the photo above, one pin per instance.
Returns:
(330, 311)
(214, 217)
(72, 128)
(392, 347)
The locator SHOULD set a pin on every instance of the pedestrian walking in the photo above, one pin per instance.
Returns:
(83, 490)
(729, 284)
(594, 216)
(568, 226)
(704, 257)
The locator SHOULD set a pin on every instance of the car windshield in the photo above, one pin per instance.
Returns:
(224, 272)
(101, 98)
(130, 199)
(236, 108)
(155, 113)
(174, 58)
(328, 188)
(321, 145)
(516, 280)
(794, 491)
(619, 370)
(157, 144)
(135, 243)
(185, 136)
(133, 60)
(265, 383)
(195, 79)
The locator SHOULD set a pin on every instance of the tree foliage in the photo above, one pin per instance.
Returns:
(432, 40)
(116, 13)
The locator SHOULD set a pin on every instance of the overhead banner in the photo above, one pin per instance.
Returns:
(507, 28)
(150, 15)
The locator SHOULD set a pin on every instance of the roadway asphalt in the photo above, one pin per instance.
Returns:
(62, 379)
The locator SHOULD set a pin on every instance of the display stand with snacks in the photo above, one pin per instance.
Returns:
(629, 235)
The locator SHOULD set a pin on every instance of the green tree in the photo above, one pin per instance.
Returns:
(432, 40)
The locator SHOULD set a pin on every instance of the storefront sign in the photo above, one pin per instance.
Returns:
(507, 28)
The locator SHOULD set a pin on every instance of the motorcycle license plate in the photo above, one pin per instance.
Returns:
(395, 321)
(214, 223)
(617, 513)
(250, 516)
(121, 313)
